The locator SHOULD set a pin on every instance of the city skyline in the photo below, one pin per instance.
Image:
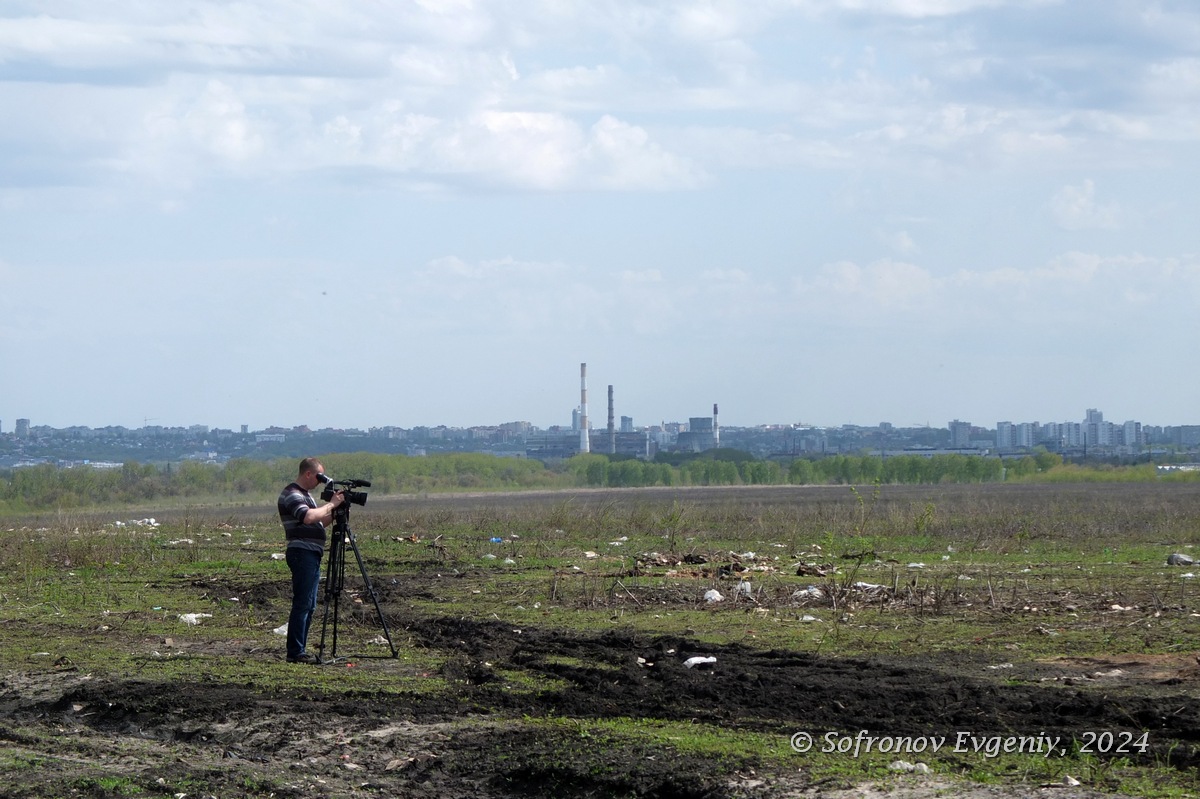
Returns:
(428, 213)
(1091, 415)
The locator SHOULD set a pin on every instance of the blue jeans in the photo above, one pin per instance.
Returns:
(306, 576)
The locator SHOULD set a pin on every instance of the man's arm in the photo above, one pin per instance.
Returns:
(324, 514)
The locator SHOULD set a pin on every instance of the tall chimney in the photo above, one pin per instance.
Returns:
(716, 428)
(612, 428)
(585, 443)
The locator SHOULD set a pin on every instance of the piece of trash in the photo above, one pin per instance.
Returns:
(281, 629)
(812, 592)
(713, 595)
(1188, 575)
(1001, 666)
(901, 765)
(510, 562)
(193, 618)
(916, 565)
(694, 662)
(489, 556)
(807, 619)
(1069, 780)
(496, 540)
(861, 586)
(744, 588)
(278, 556)
(1179, 559)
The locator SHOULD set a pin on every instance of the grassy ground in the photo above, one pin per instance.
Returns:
(540, 641)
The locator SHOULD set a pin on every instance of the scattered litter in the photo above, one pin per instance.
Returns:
(137, 523)
(1179, 560)
(945, 557)
(510, 562)
(695, 662)
(916, 565)
(179, 541)
(913, 768)
(281, 629)
(193, 618)
(861, 586)
(278, 556)
(812, 592)
(744, 588)
(807, 619)
(589, 554)
(616, 543)
(1001, 666)
(747, 556)
(1069, 780)
(713, 595)
(1188, 575)
(1120, 609)
(496, 540)
(489, 556)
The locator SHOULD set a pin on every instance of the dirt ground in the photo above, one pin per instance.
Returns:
(247, 740)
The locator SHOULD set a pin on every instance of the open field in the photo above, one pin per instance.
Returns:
(542, 641)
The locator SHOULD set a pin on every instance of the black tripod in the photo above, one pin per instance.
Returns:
(335, 580)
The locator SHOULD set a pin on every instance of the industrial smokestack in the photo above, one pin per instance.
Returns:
(585, 444)
(716, 428)
(612, 428)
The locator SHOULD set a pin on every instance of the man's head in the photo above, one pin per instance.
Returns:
(306, 476)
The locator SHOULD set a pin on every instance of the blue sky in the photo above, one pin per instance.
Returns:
(431, 212)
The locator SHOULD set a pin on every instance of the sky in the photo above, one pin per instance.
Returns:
(428, 212)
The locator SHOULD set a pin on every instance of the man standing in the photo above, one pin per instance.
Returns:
(304, 527)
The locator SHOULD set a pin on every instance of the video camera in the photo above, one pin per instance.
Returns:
(347, 489)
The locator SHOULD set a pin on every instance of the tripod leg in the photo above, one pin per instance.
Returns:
(371, 590)
(334, 579)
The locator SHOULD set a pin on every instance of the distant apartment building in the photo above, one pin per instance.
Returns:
(22, 429)
(1005, 436)
(960, 434)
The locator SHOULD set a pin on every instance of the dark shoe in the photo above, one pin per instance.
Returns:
(306, 657)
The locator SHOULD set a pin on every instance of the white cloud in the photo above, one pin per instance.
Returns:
(1076, 208)
(882, 286)
(624, 157)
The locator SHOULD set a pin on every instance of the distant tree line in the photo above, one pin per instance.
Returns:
(46, 487)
